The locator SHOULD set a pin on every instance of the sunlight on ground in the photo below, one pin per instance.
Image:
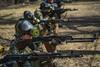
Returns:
(85, 9)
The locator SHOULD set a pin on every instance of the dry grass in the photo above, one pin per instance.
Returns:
(16, 11)
(85, 8)
(7, 31)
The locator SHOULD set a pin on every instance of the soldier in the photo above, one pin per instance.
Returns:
(46, 7)
(26, 29)
(49, 7)
(45, 11)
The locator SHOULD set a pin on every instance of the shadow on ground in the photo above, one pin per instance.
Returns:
(74, 23)
(81, 22)
(18, 6)
(4, 20)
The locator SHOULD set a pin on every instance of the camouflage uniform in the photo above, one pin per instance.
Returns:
(27, 27)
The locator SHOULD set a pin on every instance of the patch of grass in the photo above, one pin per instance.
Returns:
(7, 31)
(13, 12)
(16, 11)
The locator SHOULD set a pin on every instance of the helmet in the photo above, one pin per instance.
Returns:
(28, 15)
(25, 25)
(38, 14)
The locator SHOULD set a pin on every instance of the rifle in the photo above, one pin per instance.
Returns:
(41, 56)
(62, 38)
(70, 21)
(57, 11)
(62, 10)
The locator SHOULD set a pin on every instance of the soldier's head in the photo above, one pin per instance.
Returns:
(28, 15)
(38, 14)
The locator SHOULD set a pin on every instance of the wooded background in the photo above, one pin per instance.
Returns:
(27, 1)
(16, 1)
(5, 3)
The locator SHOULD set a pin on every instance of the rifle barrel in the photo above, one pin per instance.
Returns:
(82, 40)
(81, 52)
(72, 21)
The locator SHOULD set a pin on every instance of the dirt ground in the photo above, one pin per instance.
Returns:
(85, 10)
